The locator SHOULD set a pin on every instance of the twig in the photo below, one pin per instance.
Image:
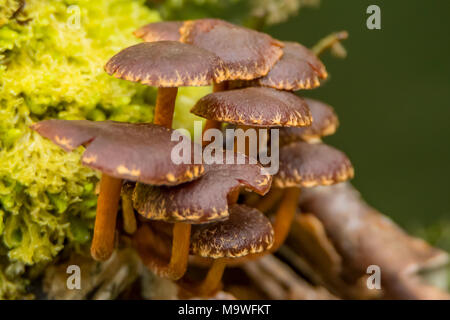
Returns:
(332, 42)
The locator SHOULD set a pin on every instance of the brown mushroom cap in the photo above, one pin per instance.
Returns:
(325, 123)
(247, 231)
(137, 152)
(160, 31)
(254, 106)
(203, 200)
(308, 165)
(297, 69)
(247, 54)
(166, 64)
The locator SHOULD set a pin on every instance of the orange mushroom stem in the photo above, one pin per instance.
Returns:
(176, 268)
(213, 279)
(284, 216)
(270, 200)
(153, 250)
(165, 106)
(129, 219)
(213, 124)
(105, 221)
(180, 250)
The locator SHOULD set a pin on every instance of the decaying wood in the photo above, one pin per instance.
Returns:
(308, 235)
(319, 276)
(278, 281)
(99, 280)
(363, 236)
(156, 288)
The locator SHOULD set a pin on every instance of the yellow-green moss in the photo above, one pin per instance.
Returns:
(52, 67)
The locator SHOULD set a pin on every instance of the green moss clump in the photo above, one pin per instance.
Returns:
(51, 66)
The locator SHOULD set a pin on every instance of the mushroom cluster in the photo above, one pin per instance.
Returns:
(199, 208)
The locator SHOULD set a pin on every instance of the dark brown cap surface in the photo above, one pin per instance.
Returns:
(247, 231)
(137, 152)
(308, 165)
(255, 106)
(166, 64)
(297, 69)
(202, 200)
(247, 54)
(160, 31)
(324, 123)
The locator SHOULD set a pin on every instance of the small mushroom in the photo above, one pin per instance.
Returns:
(160, 31)
(299, 68)
(247, 231)
(166, 65)
(254, 106)
(137, 152)
(305, 165)
(247, 54)
(325, 123)
(204, 200)
(309, 165)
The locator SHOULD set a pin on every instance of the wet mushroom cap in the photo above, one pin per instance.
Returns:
(254, 106)
(205, 199)
(297, 69)
(247, 231)
(137, 152)
(166, 64)
(247, 54)
(307, 165)
(160, 31)
(324, 123)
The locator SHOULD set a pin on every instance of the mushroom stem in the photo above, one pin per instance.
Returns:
(269, 201)
(261, 142)
(210, 124)
(165, 106)
(328, 42)
(105, 221)
(152, 250)
(217, 87)
(233, 196)
(284, 216)
(213, 124)
(180, 250)
(211, 283)
(129, 219)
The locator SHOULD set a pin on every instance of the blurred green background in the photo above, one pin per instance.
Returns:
(392, 95)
